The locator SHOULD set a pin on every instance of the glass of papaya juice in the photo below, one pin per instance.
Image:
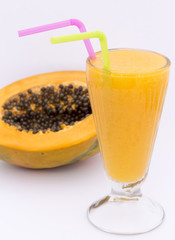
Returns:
(127, 102)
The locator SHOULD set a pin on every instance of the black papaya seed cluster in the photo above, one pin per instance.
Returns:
(51, 108)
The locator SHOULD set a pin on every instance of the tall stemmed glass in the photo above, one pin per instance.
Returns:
(127, 103)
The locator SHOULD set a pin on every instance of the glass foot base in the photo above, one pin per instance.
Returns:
(118, 215)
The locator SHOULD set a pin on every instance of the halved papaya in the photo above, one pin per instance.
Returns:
(46, 121)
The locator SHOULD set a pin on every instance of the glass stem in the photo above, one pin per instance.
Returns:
(126, 191)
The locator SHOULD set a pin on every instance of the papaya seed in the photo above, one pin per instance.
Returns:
(50, 109)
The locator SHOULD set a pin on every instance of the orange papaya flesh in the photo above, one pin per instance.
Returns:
(48, 149)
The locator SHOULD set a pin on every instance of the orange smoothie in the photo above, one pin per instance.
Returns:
(127, 103)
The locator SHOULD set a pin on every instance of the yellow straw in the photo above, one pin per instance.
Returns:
(87, 35)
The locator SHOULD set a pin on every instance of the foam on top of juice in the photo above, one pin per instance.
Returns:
(131, 61)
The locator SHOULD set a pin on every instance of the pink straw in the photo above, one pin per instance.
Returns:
(48, 27)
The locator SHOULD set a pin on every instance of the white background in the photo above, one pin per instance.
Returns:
(52, 204)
